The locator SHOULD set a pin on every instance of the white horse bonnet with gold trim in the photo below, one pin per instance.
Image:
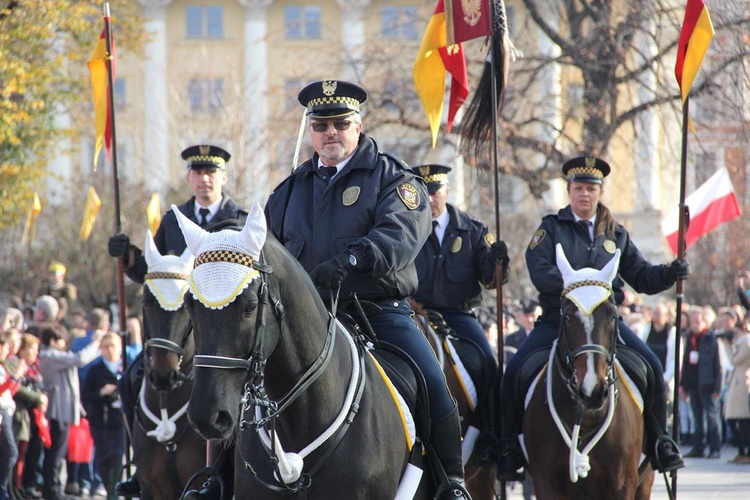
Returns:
(222, 269)
(167, 275)
(587, 287)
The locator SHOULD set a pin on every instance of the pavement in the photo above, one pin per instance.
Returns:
(701, 479)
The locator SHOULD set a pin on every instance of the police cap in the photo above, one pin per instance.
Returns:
(206, 157)
(435, 176)
(329, 99)
(586, 169)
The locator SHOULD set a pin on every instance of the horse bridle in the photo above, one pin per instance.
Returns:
(565, 363)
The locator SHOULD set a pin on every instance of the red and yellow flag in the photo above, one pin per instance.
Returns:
(467, 19)
(695, 37)
(28, 229)
(153, 213)
(89, 214)
(434, 58)
(100, 83)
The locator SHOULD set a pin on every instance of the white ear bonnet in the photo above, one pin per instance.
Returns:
(167, 275)
(223, 259)
(587, 287)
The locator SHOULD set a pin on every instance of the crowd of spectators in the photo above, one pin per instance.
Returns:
(61, 429)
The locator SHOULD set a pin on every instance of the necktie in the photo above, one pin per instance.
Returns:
(328, 173)
(204, 212)
(434, 236)
(587, 225)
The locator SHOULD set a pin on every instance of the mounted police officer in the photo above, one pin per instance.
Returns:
(206, 176)
(590, 237)
(355, 218)
(459, 258)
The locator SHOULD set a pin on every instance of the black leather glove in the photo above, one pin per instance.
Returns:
(679, 269)
(499, 253)
(331, 273)
(119, 245)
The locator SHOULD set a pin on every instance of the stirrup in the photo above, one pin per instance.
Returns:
(670, 458)
(453, 490)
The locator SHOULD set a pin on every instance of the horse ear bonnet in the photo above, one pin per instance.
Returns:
(587, 287)
(224, 258)
(166, 277)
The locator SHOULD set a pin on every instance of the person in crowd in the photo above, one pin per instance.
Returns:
(355, 218)
(29, 399)
(737, 406)
(101, 400)
(659, 336)
(8, 387)
(59, 370)
(46, 308)
(206, 177)
(16, 319)
(702, 381)
(65, 293)
(458, 260)
(590, 237)
(525, 313)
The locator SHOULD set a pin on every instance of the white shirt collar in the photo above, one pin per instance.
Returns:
(338, 166)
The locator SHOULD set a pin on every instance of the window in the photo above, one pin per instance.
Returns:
(205, 95)
(399, 22)
(302, 22)
(121, 97)
(204, 21)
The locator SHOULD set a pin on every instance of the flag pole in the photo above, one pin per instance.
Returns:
(684, 220)
(120, 276)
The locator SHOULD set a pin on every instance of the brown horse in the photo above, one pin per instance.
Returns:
(167, 451)
(480, 481)
(583, 427)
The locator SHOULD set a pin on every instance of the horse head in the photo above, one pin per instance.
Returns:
(236, 310)
(588, 329)
(166, 323)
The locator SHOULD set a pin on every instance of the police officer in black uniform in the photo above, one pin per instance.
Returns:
(206, 175)
(458, 259)
(355, 218)
(590, 236)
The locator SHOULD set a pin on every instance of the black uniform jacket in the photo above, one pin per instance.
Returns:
(451, 277)
(169, 239)
(375, 207)
(580, 252)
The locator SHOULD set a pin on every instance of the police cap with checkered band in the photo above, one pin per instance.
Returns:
(206, 157)
(329, 99)
(588, 169)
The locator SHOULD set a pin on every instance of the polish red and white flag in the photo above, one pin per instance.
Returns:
(711, 205)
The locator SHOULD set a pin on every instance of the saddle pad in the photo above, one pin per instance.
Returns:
(630, 387)
(404, 410)
(466, 381)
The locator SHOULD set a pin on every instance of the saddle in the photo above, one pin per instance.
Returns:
(468, 352)
(633, 363)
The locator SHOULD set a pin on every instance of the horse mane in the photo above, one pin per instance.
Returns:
(297, 284)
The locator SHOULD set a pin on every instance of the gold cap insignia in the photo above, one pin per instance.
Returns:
(424, 171)
(590, 161)
(204, 150)
(329, 87)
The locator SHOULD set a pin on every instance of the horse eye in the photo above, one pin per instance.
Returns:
(250, 308)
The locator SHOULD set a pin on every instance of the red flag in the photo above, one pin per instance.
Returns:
(711, 205)
(100, 83)
(467, 19)
(695, 37)
(429, 72)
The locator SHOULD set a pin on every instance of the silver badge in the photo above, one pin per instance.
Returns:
(351, 195)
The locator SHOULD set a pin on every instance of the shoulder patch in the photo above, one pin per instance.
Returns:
(489, 239)
(537, 238)
(409, 195)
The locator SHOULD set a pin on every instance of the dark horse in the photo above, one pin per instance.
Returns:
(167, 451)
(584, 428)
(480, 481)
(308, 410)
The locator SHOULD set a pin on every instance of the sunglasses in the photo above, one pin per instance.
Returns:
(323, 126)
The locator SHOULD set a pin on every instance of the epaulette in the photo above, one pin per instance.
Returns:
(401, 163)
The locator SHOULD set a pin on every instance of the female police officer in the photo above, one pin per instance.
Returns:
(590, 236)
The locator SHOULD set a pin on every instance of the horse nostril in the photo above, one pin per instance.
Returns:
(223, 421)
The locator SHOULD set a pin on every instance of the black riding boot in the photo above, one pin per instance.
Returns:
(445, 438)
(665, 454)
(486, 447)
(222, 463)
(511, 463)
